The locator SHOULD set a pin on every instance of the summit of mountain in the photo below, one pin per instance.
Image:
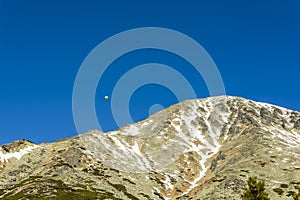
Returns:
(196, 149)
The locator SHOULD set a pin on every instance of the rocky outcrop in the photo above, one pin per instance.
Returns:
(16, 146)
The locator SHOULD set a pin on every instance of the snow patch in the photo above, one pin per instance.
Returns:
(132, 130)
(167, 183)
(18, 155)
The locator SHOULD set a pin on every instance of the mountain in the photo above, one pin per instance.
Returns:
(197, 149)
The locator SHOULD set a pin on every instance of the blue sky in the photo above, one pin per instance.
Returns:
(255, 45)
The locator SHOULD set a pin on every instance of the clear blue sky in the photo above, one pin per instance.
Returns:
(255, 45)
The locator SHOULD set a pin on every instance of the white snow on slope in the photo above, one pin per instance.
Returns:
(167, 183)
(117, 152)
(214, 133)
(189, 136)
(132, 130)
(18, 155)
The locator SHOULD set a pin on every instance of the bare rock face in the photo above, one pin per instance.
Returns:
(198, 149)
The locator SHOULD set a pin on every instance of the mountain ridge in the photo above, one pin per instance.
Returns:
(197, 149)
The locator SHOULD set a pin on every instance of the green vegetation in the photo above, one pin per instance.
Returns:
(54, 190)
(296, 196)
(278, 191)
(255, 191)
(38, 187)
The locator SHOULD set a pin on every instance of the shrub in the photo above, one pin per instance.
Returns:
(255, 191)
(296, 196)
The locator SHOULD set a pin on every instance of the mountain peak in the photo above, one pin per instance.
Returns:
(197, 149)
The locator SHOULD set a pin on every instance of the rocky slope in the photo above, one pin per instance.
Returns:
(198, 149)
